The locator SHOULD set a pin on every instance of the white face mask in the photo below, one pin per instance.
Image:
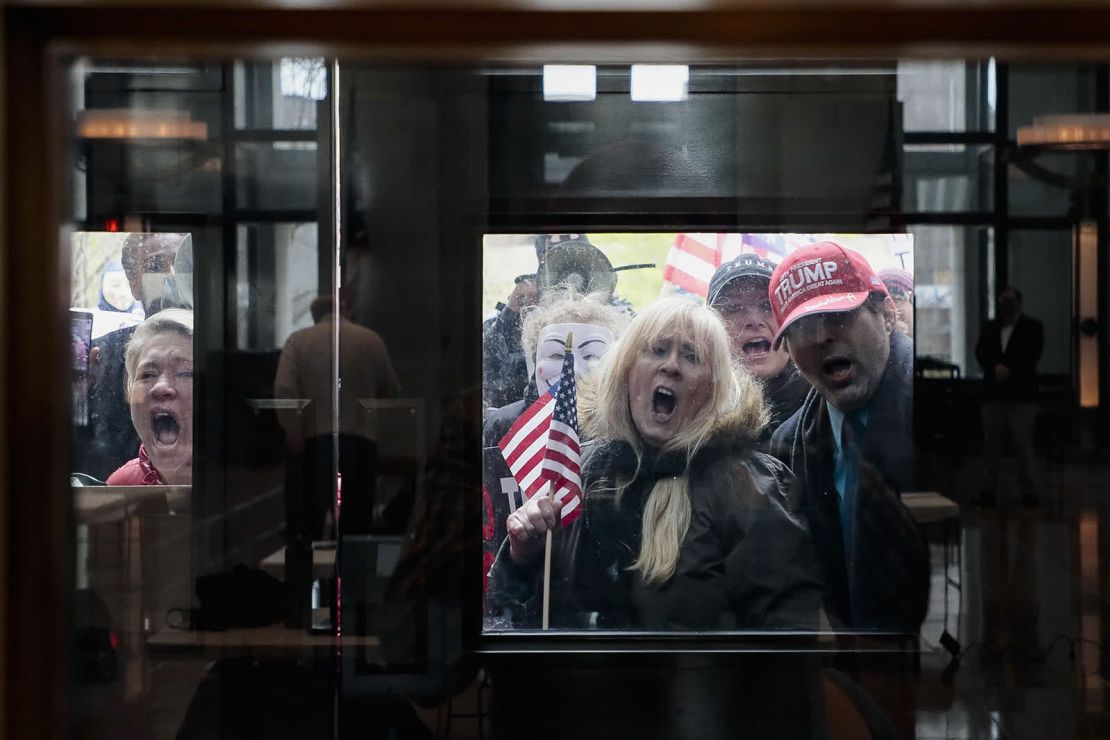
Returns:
(591, 342)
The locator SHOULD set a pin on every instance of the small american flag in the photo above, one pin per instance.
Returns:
(541, 448)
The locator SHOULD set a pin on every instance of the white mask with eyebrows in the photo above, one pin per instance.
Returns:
(591, 342)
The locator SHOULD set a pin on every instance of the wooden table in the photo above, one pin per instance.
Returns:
(931, 508)
(323, 563)
(102, 504)
(271, 640)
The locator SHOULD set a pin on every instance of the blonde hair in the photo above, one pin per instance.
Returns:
(567, 307)
(169, 321)
(735, 398)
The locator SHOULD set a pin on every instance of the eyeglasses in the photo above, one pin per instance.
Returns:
(728, 308)
(814, 327)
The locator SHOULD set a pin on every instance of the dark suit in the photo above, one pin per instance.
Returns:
(1021, 356)
(886, 584)
(1010, 405)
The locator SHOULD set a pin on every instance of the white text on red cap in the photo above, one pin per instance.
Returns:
(804, 277)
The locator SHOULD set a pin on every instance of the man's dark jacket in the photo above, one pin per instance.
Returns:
(1023, 351)
(890, 576)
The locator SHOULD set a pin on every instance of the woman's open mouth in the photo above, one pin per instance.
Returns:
(663, 401)
(166, 427)
(757, 347)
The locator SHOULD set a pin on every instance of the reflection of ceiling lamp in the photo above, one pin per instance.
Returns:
(125, 123)
(567, 82)
(1078, 131)
(660, 82)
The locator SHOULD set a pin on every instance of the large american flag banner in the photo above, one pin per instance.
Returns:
(541, 448)
(694, 258)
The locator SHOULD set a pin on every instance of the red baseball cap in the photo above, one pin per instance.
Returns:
(821, 278)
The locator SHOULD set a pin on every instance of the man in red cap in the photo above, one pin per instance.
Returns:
(851, 442)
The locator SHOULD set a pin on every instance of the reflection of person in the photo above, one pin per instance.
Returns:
(899, 284)
(1008, 350)
(685, 524)
(147, 259)
(305, 371)
(738, 292)
(159, 365)
(851, 441)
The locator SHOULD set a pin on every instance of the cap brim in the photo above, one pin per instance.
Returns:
(835, 303)
(740, 275)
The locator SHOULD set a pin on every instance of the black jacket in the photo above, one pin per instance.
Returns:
(891, 572)
(745, 561)
(1022, 354)
(113, 439)
(504, 368)
(785, 394)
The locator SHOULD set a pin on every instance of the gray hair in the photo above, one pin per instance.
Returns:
(169, 321)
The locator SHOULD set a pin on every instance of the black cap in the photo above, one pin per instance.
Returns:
(746, 265)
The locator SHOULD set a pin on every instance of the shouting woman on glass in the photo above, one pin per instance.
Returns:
(159, 387)
(685, 524)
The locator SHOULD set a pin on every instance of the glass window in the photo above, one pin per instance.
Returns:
(1041, 268)
(944, 95)
(948, 177)
(379, 369)
(950, 262)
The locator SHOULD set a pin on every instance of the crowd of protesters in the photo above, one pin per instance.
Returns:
(741, 461)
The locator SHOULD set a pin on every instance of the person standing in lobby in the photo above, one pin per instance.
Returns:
(1008, 351)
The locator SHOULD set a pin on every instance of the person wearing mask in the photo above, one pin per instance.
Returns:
(1009, 347)
(565, 262)
(595, 326)
(684, 522)
(851, 442)
(738, 292)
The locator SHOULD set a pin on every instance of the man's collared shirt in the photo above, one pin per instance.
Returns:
(844, 476)
(836, 419)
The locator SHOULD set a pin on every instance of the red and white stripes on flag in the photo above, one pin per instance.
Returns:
(542, 446)
(694, 258)
(692, 261)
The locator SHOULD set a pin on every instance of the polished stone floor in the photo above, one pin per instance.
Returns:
(1030, 616)
(1026, 594)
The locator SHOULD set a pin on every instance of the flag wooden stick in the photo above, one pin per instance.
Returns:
(547, 581)
(568, 347)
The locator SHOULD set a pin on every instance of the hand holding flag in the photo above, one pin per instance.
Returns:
(543, 454)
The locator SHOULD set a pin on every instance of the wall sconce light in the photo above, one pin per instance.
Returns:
(1086, 311)
(125, 123)
(1075, 131)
